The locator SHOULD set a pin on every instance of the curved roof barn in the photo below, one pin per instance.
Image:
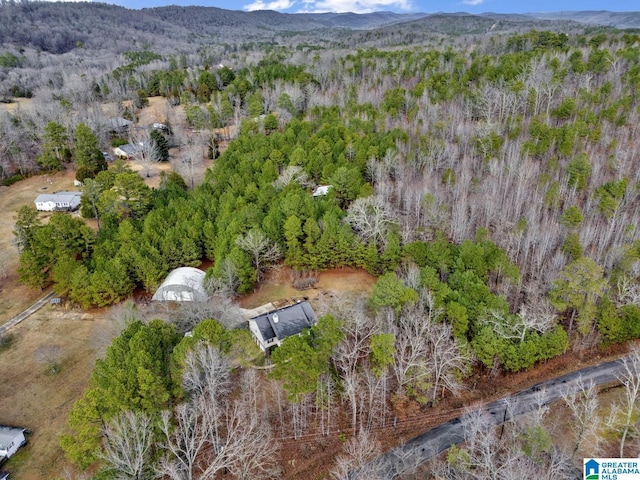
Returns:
(184, 284)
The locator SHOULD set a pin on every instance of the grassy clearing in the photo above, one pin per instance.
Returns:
(34, 398)
(277, 286)
(16, 297)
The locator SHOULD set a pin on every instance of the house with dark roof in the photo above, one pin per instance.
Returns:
(119, 125)
(271, 328)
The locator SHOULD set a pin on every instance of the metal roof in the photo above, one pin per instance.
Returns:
(8, 434)
(129, 148)
(119, 122)
(60, 197)
(182, 284)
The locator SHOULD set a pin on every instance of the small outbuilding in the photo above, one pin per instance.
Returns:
(270, 329)
(11, 439)
(128, 150)
(58, 202)
(184, 284)
(119, 125)
(321, 191)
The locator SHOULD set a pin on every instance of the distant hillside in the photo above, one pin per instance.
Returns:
(455, 24)
(62, 27)
(210, 19)
(603, 17)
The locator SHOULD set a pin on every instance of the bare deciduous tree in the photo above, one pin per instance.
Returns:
(206, 373)
(188, 443)
(251, 448)
(628, 291)
(448, 360)
(513, 451)
(49, 355)
(261, 248)
(3, 264)
(127, 446)
(225, 283)
(583, 406)
(370, 217)
(357, 459)
(145, 153)
(293, 173)
(624, 413)
(220, 307)
(540, 318)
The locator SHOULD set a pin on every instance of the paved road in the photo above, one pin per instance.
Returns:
(422, 448)
(32, 309)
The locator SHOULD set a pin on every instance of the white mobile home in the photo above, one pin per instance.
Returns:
(11, 439)
(58, 202)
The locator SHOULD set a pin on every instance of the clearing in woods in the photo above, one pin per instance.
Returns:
(14, 298)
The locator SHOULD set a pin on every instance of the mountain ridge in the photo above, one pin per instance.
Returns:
(57, 27)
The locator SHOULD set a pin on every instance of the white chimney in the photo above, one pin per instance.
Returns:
(275, 318)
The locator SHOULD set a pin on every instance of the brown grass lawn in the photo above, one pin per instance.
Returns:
(277, 287)
(38, 400)
(13, 297)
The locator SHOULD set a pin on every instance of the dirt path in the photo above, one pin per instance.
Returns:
(277, 286)
(28, 312)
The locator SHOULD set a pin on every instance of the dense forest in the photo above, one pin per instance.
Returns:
(487, 180)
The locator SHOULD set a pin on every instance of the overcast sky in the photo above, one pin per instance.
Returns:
(400, 6)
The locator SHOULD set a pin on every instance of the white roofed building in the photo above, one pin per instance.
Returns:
(11, 439)
(184, 284)
(58, 202)
(321, 190)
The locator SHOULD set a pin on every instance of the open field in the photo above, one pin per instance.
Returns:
(277, 286)
(35, 398)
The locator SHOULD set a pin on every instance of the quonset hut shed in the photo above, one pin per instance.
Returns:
(184, 284)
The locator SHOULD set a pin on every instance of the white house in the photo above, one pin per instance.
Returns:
(271, 328)
(61, 201)
(127, 150)
(11, 439)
